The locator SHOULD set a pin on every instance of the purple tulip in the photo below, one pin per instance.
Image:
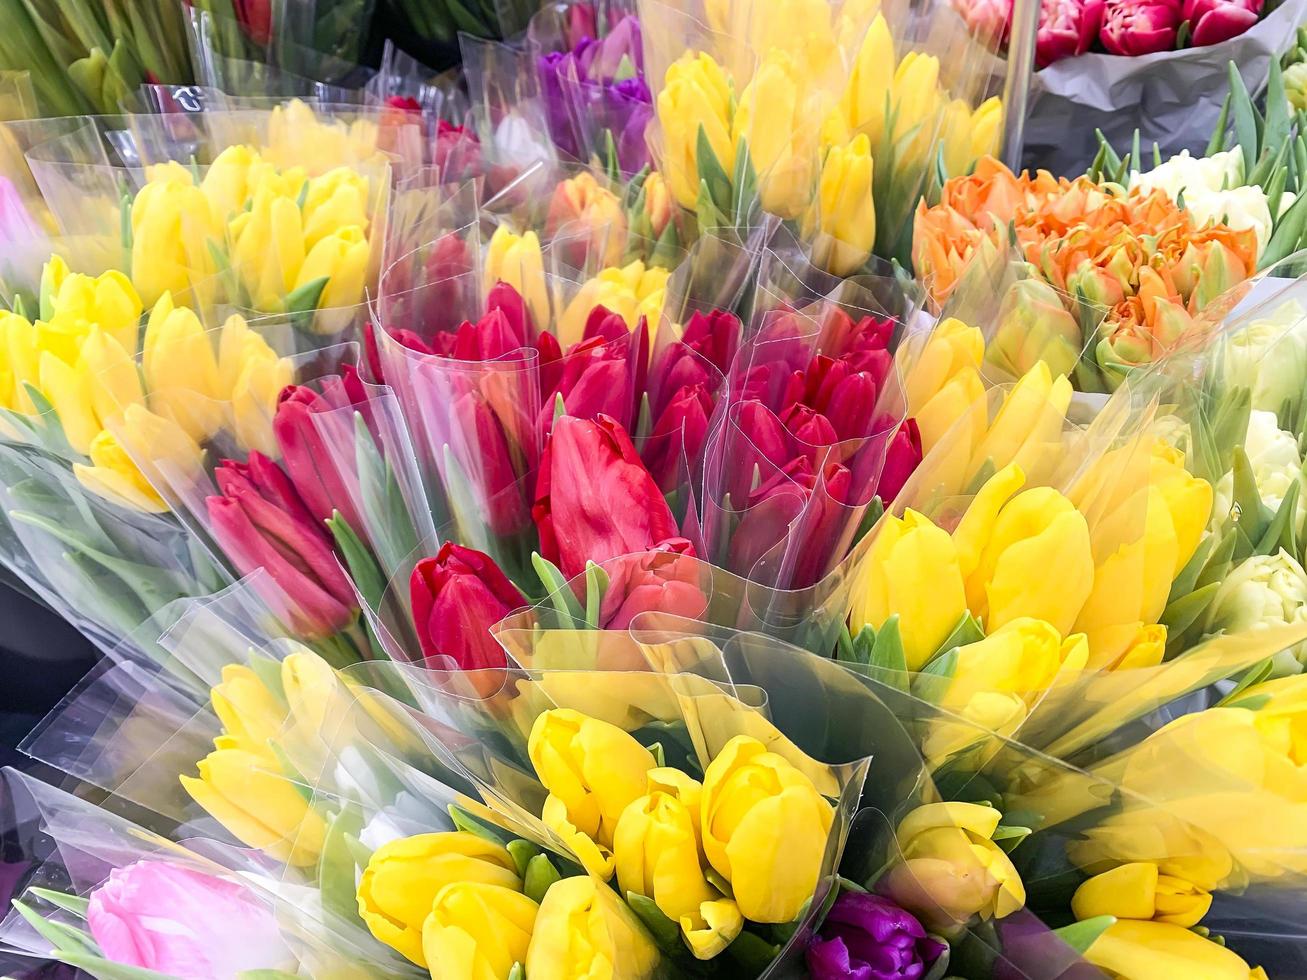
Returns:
(1133, 29)
(870, 938)
(1214, 21)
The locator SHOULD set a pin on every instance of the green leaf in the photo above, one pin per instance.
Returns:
(70, 903)
(522, 851)
(966, 632)
(933, 681)
(358, 559)
(712, 175)
(1009, 837)
(1184, 582)
(60, 936)
(752, 953)
(1288, 233)
(336, 868)
(539, 878)
(559, 592)
(1245, 122)
(1217, 142)
(660, 756)
(518, 972)
(466, 822)
(596, 584)
(887, 654)
(304, 299)
(1184, 612)
(1251, 677)
(1275, 136)
(666, 933)
(103, 969)
(1081, 935)
(1279, 532)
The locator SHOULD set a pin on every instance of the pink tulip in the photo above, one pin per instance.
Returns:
(17, 228)
(662, 580)
(181, 923)
(989, 20)
(1214, 21)
(1066, 28)
(1133, 29)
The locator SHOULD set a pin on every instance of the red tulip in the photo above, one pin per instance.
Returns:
(901, 460)
(678, 433)
(260, 523)
(307, 452)
(664, 580)
(256, 17)
(484, 452)
(702, 356)
(595, 500)
(457, 596)
(1134, 29)
(456, 152)
(1066, 28)
(1214, 21)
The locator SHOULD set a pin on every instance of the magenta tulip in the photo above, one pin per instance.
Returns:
(1134, 29)
(483, 450)
(261, 524)
(457, 596)
(306, 432)
(1214, 21)
(1067, 28)
(679, 433)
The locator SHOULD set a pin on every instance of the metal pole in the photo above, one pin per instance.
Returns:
(1016, 86)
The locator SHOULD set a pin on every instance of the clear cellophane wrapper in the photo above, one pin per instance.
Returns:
(794, 534)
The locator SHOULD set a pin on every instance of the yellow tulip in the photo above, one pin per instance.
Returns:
(584, 930)
(313, 691)
(1145, 833)
(516, 260)
(696, 95)
(114, 476)
(841, 223)
(1134, 950)
(297, 137)
(656, 847)
(865, 95)
(1139, 891)
(338, 199)
(226, 183)
(955, 136)
(1282, 713)
(251, 376)
(916, 106)
(173, 229)
(342, 257)
(773, 119)
(950, 350)
(403, 877)
(108, 301)
(800, 28)
(1188, 500)
(116, 381)
(1006, 543)
(986, 129)
(251, 715)
(985, 714)
(911, 571)
(477, 931)
(632, 291)
(952, 869)
(267, 249)
(764, 829)
(180, 369)
(592, 770)
(246, 793)
(1028, 427)
(68, 389)
(1023, 656)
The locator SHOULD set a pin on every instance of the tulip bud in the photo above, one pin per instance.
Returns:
(457, 596)
(595, 499)
(114, 476)
(341, 258)
(593, 771)
(658, 207)
(696, 95)
(226, 182)
(108, 301)
(906, 555)
(866, 935)
(1214, 21)
(764, 829)
(173, 230)
(268, 248)
(580, 204)
(1003, 540)
(308, 459)
(679, 433)
(1137, 29)
(261, 523)
(516, 260)
(952, 869)
(1034, 326)
(1066, 28)
(635, 292)
(773, 120)
(584, 930)
(245, 792)
(404, 877)
(656, 847)
(169, 920)
(335, 201)
(1133, 948)
(251, 715)
(180, 370)
(477, 931)
(841, 223)
(1139, 891)
(862, 107)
